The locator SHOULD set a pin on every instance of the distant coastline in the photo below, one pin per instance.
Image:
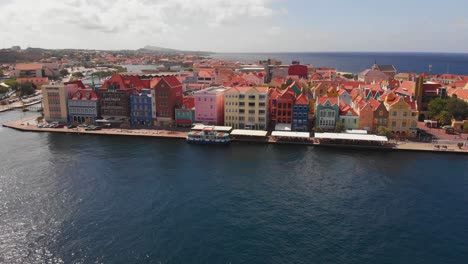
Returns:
(454, 63)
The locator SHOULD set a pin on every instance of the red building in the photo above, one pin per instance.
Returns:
(298, 70)
(166, 96)
(284, 108)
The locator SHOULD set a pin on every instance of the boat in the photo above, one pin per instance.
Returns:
(208, 136)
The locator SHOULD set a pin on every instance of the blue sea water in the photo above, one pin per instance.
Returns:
(454, 63)
(94, 199)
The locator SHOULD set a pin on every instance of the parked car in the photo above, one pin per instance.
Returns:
(71, 126)
(83, 126)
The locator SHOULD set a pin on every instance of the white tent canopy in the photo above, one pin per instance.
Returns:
(251, 133)
(217, 128)
(283, 127)
(357, 137)
(290, 134)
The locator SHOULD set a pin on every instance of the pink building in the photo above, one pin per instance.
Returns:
(209, 105)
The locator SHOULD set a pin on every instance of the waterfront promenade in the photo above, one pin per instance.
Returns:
(30, 125)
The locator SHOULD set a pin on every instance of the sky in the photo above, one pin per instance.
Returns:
(238, 25)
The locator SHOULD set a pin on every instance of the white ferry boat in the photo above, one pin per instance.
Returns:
(208, 136)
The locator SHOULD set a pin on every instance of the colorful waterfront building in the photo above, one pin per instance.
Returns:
(301, 111)
(84, 107)
(246, 107)
(140, 109)
(115, 98)
(403, 115)
(380, 115)
(284, 108)
(166, 97)
(366, 113)
(273, 94)
(55, 101)
(209, 105)
(185, 115)
(326, 113)
(348, 117)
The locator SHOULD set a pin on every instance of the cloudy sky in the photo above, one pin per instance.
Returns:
(238, 25)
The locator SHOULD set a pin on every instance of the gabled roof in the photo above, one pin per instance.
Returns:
(85, 94)
(387, 68)
(346, 109)
(287, 94)
(172, 81)
(374, 103)
(78, 83)
(189, 102)
(302, 99)
(323, 99)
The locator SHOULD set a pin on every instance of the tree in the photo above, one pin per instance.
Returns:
(436, 106)
(339, 127)
(1, 73)
(77, 75)
(64, 72)
(457, 108)
(4, 90)
(384, 131)
(27, 88)
(444, 117)
(13, 83)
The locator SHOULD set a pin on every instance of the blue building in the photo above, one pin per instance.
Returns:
(301, 109)
(84, 107)
(140, 109)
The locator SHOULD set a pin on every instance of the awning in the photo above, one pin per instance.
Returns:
(184, 121)
(283, 127)
(251, 133)
(289, 134)
(217, 128)
(356, 137)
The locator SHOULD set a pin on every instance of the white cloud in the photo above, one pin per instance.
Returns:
(128, 23)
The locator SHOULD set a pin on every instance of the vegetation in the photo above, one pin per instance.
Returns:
(340, 127)
(444, 109)
(460, 145)
(384, 131)
(77, 75)
(64, 72)
(1, 73)
(13, 83)
(4, 90)
(27, 88)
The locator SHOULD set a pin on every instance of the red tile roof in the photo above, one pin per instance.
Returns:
(172, 81)
(189, 102)
(84, 95)
(302, 99)
(324, 99)
(28, 66)
(78, 83)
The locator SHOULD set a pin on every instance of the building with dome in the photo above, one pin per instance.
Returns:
(373, 75)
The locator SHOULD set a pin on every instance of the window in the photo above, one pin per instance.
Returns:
(241, 96)
(251, 104)
(403, 124)
(393, 124)
(262, 96)
(241, 104)
(394, 113)
(241, 111)
(251, 97)
(261, 112)
(261, 104)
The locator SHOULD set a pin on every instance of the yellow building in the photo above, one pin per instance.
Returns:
(55, 101)
(246, 107)
(402, 115)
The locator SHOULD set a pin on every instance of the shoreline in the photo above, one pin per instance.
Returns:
(22, 125)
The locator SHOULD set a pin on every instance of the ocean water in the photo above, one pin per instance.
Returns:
(454, 63)
(93, 199)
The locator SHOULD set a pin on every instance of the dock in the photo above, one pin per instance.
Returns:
(29, 125)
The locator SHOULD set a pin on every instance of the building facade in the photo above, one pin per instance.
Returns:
(326, 113)
(140, 109)
(185, 115)
(167, 96)
(403, 118)
(284, 106)
(380, 115)
(301, 111)
(246, 107)
(55, 101)
(209, 105)
(84, 107)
